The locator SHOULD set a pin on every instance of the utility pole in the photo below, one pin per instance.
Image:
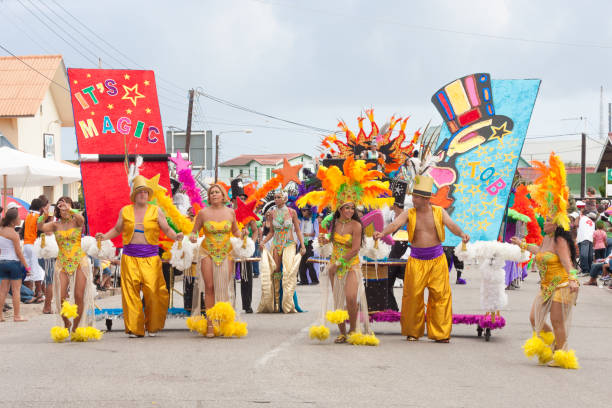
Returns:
(188, 131)
(583, 167)
(216, 157)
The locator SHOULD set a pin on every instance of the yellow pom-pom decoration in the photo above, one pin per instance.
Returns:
(227, 329)
(93, 333)
(59, 334)
(240, 329)
(356, 339)
(545, 356)
(534, 346)
(222, 312)
(566, 359)
(80, 335)
(318, 332)
(371, 340)
(338, 316)
(69, 311)
(548, 337)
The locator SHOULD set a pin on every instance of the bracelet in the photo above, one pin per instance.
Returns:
(28, 269)
(573, 272)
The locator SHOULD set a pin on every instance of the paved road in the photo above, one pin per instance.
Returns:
(276, 365)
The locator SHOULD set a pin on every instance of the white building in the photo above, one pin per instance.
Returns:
(33, 109)
(258, 167)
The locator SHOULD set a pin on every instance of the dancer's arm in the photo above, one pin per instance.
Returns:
(113, 232)
(197, 226)
(44, 226)
(394, 226)
(563, 251)
(14, 237)
(453, 227)
(255, 229)
(533, 248)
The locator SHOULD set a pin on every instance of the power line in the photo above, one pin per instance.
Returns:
(25, 32)
(33, 69)
(55, 32)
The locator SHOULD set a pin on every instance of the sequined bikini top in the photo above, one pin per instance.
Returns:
(216, 241)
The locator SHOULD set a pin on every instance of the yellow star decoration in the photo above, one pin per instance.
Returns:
(491, 207)
(75, 82)
(469, 225)
(509, 157)
(462, 219)
(481, 150)
(126, 76)
(128, 111)
(146, 82)
(93, 113)
(148, 110)
(88, 75)
(462, 161)
(465, 199)
(486, 159)
(475, 189)
(460, 187)
(483, 225)
(110, 106)
(498, 156)
(136, 95)
(153, 183)
(499, 132)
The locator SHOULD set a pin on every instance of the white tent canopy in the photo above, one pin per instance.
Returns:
(26, 170)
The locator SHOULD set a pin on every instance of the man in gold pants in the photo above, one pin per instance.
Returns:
(141, 268)
(426, 267)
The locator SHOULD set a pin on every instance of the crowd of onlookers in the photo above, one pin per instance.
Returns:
(591, 227)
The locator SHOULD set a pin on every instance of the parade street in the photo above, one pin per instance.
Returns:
(277, 365)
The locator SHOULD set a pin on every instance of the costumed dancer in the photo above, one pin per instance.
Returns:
(426, 266)
(141, 267)
(219, 223)
(558, 282)
(73, 273)
(285, 224)
(355, 185)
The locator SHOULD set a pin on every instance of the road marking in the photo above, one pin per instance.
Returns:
(263, 360)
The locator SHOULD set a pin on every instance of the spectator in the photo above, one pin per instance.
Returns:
(599, 240)
(600, 268)
(30, 230)
(574, 224)
(590, 204)
(310, 229)
(12, 262)
(586, 228)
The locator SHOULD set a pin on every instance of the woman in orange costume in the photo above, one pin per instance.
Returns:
(558, 282)
(219, 223)
(72, 267)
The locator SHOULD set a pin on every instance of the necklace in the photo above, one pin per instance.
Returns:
(66, 220)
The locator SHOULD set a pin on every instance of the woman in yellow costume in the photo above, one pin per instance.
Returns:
(72, 268)
(558, 282)
(355, 185)
(285, 226)
(219, 223)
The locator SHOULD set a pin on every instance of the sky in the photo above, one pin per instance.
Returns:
(315, 62)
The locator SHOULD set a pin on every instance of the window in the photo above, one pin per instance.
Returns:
(255, 173)
(268, 173)
(231, 173)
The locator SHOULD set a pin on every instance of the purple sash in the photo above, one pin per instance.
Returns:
(426, 254)
(141, 250)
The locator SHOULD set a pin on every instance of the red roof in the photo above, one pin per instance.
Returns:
(269, 159)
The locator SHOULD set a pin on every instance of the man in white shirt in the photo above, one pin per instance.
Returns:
(586, 228)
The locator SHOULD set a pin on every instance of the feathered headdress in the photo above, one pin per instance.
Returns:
(355, 183)
(419, 167)
(550, 191)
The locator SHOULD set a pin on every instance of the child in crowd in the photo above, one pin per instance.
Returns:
(599, 240)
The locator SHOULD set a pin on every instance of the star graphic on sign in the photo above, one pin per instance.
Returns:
(491, 207)
(128, 111)
(462, 160)
(146, 82)
(481, 150)
(484, 224)
(136, 95)
(288, 172)
(486, 159)
(475, 189)
(148, 110)
(509, 157)
(460, 187)
(498, 156)
(75, 82)
(465, 199)
(499, 132)
(179, 162)
(244, 212)
(93, 113)
(110, 106)
(126, 76)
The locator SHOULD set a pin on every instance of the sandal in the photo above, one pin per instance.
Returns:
(340, 339)
(411, 338)
(445, 341)
(210, 331)
(590, 283)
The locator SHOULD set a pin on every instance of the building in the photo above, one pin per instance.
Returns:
(33, 109)
(200, 147)
(258, 167)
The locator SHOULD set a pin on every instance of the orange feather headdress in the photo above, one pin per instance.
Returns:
(550, 191)
(356, 183)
